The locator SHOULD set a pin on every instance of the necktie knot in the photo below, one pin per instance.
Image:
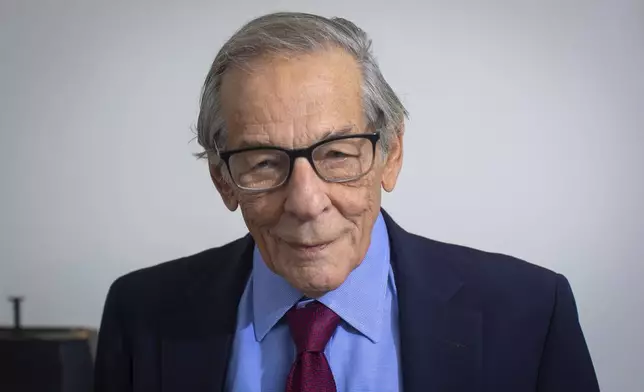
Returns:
(312, 326)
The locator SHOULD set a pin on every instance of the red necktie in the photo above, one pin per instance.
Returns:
(311, 328)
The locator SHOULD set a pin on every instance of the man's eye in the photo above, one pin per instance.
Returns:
(336, 154)
(265, 164)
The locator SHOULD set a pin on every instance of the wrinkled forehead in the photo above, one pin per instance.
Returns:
(292, 101)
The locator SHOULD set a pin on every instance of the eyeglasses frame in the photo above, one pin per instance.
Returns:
(306, 152)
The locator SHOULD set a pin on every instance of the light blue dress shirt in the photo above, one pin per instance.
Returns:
(364, 351)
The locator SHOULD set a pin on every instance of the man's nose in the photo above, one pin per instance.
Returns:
(306, 197)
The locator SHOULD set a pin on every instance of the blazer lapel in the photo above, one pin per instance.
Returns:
(197, 333)
(441, 348)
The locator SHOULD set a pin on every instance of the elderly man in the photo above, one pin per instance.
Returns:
(327, 292)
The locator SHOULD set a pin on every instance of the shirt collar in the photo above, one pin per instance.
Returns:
(359, 301)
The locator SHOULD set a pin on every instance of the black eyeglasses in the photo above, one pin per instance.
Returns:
(339, 159)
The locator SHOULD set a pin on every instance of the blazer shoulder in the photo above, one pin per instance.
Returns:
(469, 259)
(150, 287)
(497, 278)
(476, 268)
(498, 266)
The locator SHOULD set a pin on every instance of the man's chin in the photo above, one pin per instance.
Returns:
(317, 289)
(316, 279)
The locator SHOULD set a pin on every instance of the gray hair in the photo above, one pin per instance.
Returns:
(289, 32)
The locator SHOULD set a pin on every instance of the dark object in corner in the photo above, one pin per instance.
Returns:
(45, 359)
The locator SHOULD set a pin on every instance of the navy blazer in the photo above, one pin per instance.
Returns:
(470, 321)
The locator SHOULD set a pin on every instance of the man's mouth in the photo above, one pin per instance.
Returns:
(309, 248)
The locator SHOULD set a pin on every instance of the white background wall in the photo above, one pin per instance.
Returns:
(526, 137)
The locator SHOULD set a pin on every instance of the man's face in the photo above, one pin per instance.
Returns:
(311, 232)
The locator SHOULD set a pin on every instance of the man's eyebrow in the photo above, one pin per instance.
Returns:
(331, 133)
(339, 131)
(252, 143)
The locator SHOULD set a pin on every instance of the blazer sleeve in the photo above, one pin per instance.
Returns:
(565, 363)
(113, 357)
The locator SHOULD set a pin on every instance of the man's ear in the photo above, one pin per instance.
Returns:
(393, 163)
(225, 188)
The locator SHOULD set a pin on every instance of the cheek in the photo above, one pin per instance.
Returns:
(260, 211)
(356, 200)
(358, 203)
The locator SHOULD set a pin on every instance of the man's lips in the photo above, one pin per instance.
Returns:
(308, 246)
